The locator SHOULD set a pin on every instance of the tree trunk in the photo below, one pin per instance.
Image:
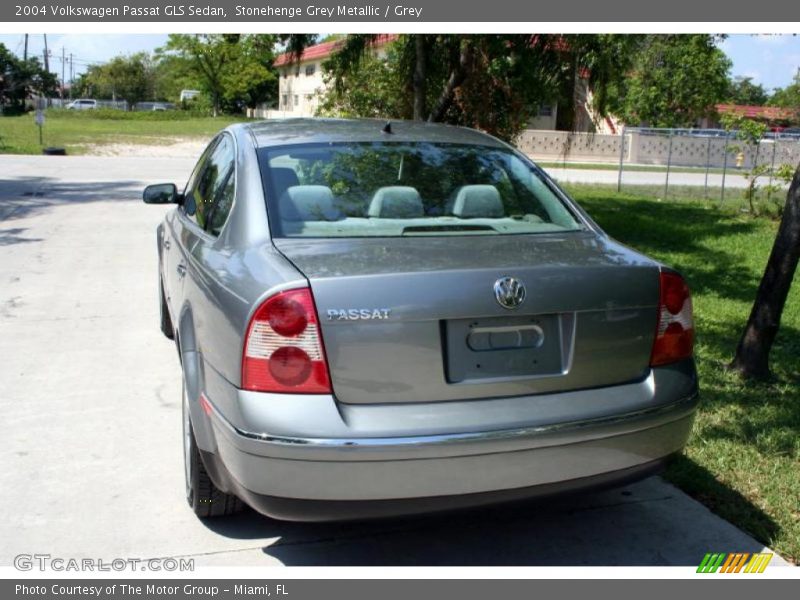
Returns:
(457, 77)
(420, 74)
(752, 353)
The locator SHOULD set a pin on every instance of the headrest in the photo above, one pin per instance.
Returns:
(473, 201)
(282, 179)
(396, 202)
(308, 203)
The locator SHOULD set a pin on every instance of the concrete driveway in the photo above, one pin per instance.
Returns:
(90, 397)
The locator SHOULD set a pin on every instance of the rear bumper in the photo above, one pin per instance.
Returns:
(300, 477)
(294, 509)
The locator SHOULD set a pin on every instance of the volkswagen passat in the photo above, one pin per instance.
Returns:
(378, 319)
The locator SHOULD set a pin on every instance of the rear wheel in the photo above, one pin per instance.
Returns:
(166, 321)
(206, 499)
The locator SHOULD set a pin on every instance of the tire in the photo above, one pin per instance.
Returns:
(205, 499)
(166, 322)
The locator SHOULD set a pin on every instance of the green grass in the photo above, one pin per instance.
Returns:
(743, 459)
(766, 203)
(78, 130)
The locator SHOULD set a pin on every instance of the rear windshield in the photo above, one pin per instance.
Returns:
(404, 189)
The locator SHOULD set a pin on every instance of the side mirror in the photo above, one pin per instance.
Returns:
(161, 193)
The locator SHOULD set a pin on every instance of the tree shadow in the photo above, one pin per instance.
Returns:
(12, 236)
(23, 197)
(705, 487)
(645, 523)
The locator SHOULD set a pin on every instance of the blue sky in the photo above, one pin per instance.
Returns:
(771, 60)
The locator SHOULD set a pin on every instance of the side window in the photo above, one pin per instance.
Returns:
(223, 206)
(208, 182)
(189, 205)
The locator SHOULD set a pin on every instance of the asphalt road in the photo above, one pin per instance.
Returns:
(90, 397)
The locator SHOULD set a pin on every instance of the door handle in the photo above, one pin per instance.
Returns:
(181, 268)
(167, 243)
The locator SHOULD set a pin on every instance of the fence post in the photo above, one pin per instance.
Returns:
(772, 168)
(724, 169)
(708, 166)
(621, 158)
(669, 163)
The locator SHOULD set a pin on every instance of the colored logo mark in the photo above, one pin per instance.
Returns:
(734, 562)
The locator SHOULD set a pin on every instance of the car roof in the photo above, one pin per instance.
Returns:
(280, 132)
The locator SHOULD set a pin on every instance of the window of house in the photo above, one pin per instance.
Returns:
(285, 102)
(310, 69)
(296, 100)
(546, 110)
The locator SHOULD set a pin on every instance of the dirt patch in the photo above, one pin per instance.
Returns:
(151, 147)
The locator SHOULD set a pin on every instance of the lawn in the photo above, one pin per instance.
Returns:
(76, 131)
(743, 459)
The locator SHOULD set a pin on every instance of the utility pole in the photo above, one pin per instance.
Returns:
(70, 75)
(46, 55)
(25, 52)
(63, 67)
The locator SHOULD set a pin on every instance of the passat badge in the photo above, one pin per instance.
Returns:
(509, 292)
(358, 314)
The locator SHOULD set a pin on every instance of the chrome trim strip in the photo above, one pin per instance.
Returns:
(682, 407)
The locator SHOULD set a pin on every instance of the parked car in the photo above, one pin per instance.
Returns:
(82, 104)
(377, 319)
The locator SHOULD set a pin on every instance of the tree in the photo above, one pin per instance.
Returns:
(129, 77)
(171, 75)
(742, 90)
(789, 96)
(233, 69)
(493, 82)
(21, 79)
(752, 352)
(751, 133)
(370, 91)
(675, 80)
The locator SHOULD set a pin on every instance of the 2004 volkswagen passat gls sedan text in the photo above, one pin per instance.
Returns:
(377, 319)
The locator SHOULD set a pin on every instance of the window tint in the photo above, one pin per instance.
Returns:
(208, 183)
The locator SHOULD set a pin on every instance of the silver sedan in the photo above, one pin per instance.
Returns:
(378, 319)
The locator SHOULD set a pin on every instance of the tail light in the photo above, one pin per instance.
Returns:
(283, 348)
(675, 332)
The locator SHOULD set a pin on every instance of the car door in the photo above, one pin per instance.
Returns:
(173, 260)
(206, 206)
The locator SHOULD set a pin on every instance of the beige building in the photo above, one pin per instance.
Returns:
(301, 81)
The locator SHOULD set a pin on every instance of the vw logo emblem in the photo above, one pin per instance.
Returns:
(509, 292)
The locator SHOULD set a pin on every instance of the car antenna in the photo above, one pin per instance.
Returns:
(387, 128)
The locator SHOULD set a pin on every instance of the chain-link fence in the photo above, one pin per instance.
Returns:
(671, 163)
(712, 164)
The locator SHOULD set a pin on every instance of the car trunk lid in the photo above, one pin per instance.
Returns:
(418, 320)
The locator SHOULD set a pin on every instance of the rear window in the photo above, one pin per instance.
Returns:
(404, 189)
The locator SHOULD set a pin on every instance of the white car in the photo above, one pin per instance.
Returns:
(82, 104)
